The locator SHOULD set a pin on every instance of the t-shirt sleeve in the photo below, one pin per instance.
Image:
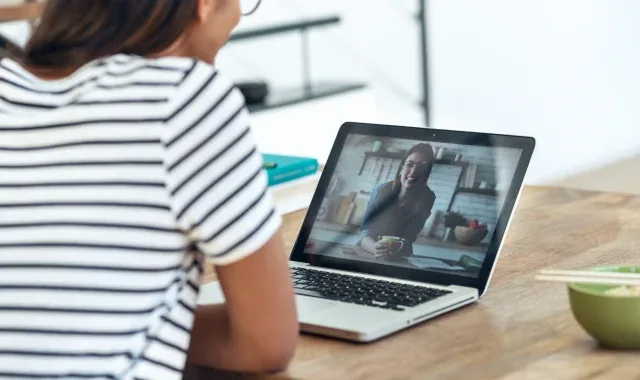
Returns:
(215, 176)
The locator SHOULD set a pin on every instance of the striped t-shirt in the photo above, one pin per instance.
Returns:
(115, 183)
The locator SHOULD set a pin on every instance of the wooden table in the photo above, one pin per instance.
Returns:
(522, 329)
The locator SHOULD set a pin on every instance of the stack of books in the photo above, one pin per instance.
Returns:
(292, 181)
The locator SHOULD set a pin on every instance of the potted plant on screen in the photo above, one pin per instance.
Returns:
(452, 220)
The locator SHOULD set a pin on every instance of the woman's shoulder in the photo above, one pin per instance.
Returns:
(135, 69)
(196, 82)
(167, 62)
(381, 191)
(182, 64)
(203, 96)
(382, 188)
(119, 72)
(429, 194)
(171, 70)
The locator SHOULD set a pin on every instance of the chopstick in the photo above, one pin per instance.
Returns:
(588, 277)
(560, 272)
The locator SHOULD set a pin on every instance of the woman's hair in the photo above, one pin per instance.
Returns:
(427, 151)
(71, 33)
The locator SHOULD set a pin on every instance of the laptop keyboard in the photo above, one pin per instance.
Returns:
(360, 290)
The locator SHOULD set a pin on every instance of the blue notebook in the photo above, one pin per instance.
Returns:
(281, 169)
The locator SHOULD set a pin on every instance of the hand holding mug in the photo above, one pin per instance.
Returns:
(381, 248)
(392, 244)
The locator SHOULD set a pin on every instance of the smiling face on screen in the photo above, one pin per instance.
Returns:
(414, 171)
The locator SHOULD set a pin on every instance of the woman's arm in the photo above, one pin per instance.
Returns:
(257, 329)
(223, 205)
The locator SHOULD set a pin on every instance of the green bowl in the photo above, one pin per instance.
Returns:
(612, 320)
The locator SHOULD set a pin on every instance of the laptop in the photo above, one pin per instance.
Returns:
(406, 224)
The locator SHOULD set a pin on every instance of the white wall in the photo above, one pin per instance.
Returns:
(564, 71)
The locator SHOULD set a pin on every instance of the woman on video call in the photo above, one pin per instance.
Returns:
(127, 160)
(401, 207)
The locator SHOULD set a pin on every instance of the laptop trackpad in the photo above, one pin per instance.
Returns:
(308, 306)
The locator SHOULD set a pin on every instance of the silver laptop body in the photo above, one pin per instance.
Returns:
(444, 266)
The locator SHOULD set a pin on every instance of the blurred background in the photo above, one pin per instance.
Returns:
(564, 71)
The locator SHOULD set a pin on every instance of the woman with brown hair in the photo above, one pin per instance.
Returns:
(126, 159)
(399, 209)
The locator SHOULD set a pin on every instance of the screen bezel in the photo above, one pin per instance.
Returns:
(527, 144)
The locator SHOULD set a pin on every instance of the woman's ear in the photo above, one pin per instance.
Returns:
(205, 9)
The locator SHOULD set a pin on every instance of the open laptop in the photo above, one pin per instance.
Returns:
(406, 224)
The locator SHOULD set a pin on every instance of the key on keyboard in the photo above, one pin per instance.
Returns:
(360, 290)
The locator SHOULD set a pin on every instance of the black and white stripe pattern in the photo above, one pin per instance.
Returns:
(111, 182)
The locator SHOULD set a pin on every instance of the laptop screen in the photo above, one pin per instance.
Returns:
(416, 204)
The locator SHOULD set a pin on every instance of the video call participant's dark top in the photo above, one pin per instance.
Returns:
(385, 216)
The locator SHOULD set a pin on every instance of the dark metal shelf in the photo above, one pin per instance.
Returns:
(284, 28)
(461, 164)
(309, 90)
(385, 154)
(283, 98)
(486, 192)
(400, 155)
